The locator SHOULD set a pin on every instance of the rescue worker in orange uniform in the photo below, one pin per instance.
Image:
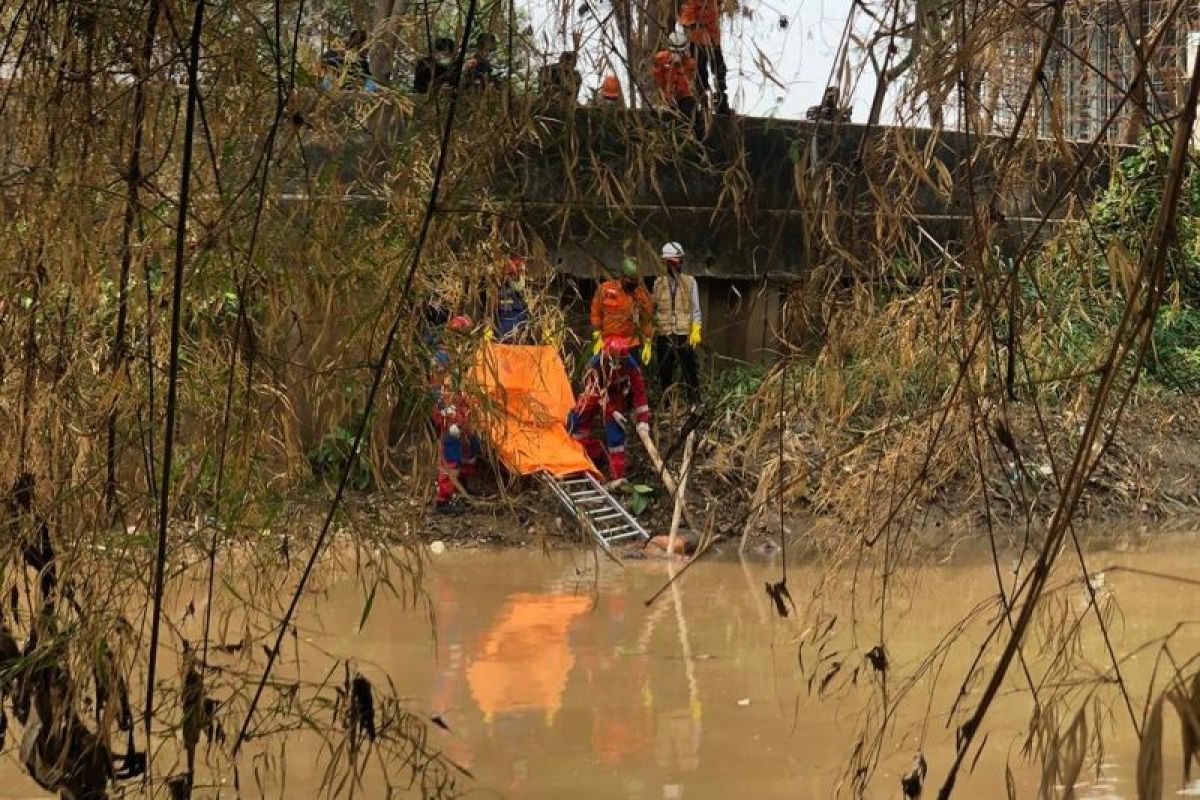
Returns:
(675, 73)
(623, 308)
(614, 389)
(701, 20)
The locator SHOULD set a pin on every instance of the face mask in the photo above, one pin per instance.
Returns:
(443, 61)
(518, 284)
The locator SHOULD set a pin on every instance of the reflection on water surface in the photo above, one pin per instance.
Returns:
(555, 680)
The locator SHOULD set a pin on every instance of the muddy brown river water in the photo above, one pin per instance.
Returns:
(556, 681)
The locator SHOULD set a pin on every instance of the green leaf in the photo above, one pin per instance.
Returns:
(366, 612)
(638, 504)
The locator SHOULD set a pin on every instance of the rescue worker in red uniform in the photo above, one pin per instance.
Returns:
(458, 444)
(614, 391)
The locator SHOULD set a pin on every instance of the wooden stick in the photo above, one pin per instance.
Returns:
(656, 459)
(663, 473)
(684, 469)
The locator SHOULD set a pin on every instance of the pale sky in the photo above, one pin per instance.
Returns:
(802, 54)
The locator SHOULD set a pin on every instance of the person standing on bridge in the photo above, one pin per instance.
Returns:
(433, 71)
(559, 83)
(610, 95)
(479, 73)
(614, 390)
(623, 308)
(356, 75)
(674, 73)
(677, 323)
(701, 19)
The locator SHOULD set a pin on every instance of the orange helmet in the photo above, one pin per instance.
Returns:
(610, 88)
(459, 323)
(515, 266)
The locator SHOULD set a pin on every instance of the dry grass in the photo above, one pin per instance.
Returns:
(290, 288)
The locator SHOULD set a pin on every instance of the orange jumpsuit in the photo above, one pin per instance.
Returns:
(617, 313)
(702, 21)
(674, 80)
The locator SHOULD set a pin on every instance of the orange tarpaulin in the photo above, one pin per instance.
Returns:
(526, 399)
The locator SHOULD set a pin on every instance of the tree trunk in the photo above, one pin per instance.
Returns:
(644, 27)
(385, 23)
(1137, 92)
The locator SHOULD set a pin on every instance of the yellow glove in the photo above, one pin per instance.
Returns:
(646, 353)
(488, 334)
(694, 335)
(597, 343)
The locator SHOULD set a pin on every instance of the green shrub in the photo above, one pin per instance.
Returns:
(329, 458)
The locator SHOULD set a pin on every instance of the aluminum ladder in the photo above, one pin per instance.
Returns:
(595, 508)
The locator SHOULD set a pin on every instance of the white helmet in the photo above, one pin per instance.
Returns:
(672, 251)
(677, 41)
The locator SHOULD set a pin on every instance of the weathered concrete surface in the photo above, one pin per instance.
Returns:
(755, 203)
(735, 199)
(737, 204)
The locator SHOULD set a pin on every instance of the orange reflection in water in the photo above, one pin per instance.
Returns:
(525, 657)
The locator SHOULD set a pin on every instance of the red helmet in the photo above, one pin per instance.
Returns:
(515, 266)
(459, 323)
(617, 346)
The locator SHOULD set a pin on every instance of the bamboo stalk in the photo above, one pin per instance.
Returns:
(376, 379)
(164, 502)
(664, 474)
(684, 470)
(656, 459)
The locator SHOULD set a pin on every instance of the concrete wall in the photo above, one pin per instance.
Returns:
(746, 256)
(853, 172)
